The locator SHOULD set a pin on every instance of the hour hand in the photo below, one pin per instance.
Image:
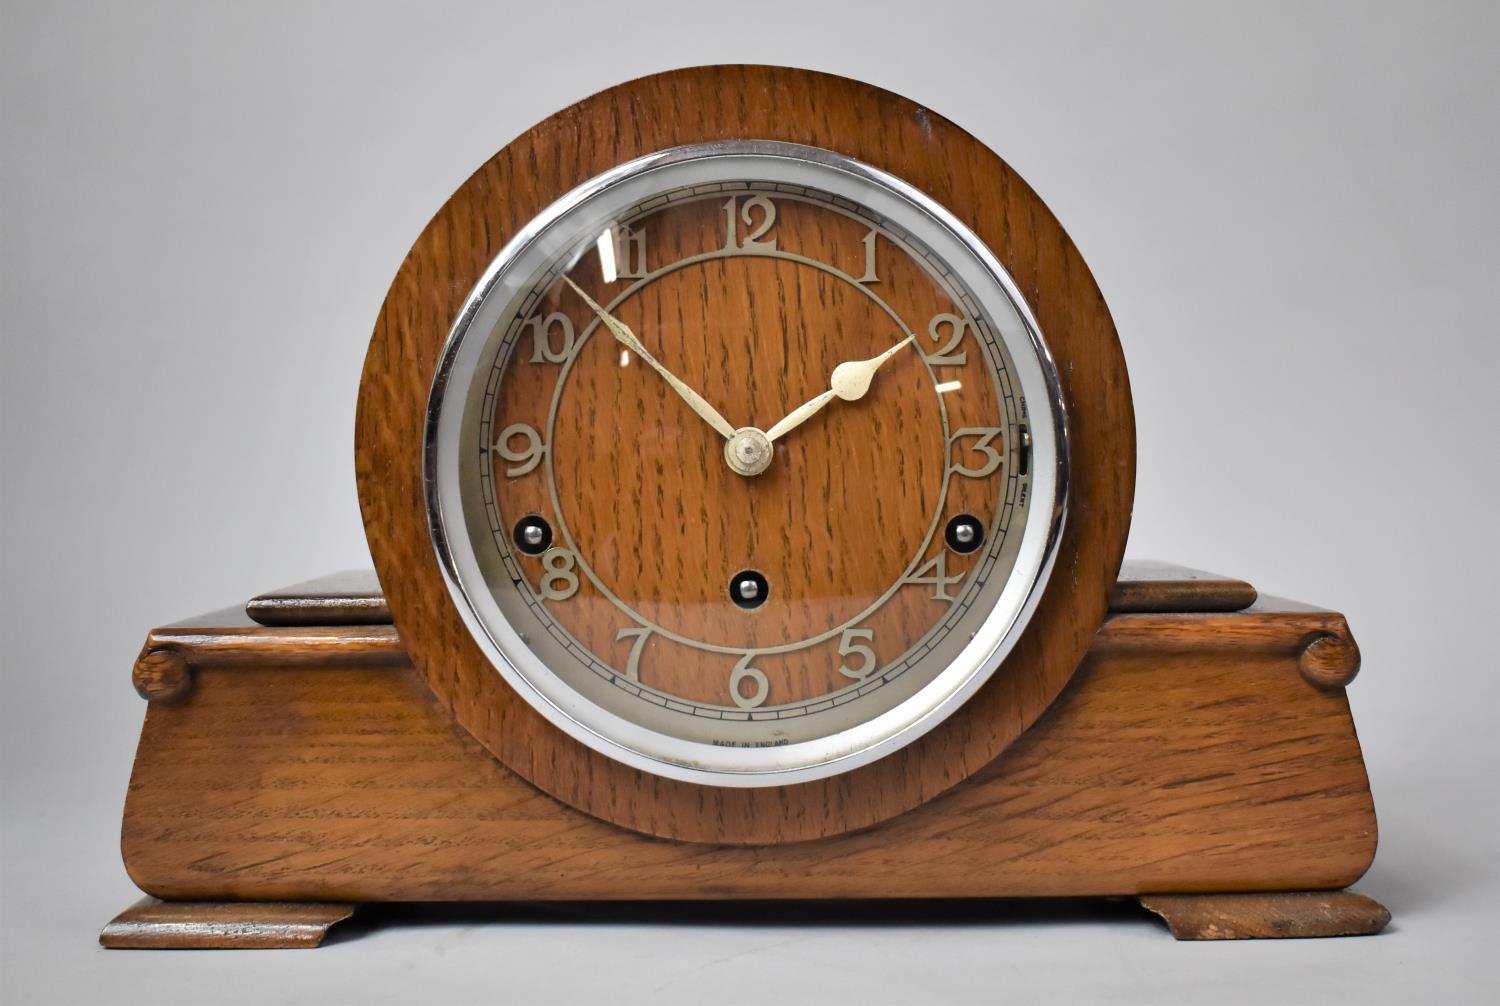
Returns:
(627, 338)
(849, 381)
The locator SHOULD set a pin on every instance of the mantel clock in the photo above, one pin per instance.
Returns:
(746, 455)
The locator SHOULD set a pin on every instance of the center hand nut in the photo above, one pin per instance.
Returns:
(748, 451)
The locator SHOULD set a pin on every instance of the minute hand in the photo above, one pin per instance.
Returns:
(627, 338)
(849, 381)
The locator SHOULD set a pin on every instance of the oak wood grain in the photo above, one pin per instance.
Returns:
(747, 102)
(1150, 585)
(1202, 762)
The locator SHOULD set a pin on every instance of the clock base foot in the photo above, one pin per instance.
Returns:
(1286, 915)
(150, 924)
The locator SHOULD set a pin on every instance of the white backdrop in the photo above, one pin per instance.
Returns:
(1292, 211)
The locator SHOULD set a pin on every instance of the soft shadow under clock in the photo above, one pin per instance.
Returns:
(1029, 912)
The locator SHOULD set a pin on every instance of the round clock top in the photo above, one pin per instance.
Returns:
(745, 454)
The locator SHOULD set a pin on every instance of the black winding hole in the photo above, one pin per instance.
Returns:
(748, 589)
(960, 527)
(528, 523)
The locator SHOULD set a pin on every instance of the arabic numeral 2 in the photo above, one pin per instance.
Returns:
(935, 572)
(958, 327)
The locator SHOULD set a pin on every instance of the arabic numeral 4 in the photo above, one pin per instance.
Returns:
(935, 573)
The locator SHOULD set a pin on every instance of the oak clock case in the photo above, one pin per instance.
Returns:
(745, 603)
(964, 254)
(746, 456)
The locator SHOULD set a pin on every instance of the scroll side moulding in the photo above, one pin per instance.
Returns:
(1327, 655)
(164, 670)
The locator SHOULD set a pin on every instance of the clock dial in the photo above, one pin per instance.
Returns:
(746, 464)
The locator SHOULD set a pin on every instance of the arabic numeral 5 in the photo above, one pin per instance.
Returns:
(849, 648)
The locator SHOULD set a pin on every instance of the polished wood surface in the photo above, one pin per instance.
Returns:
(164, 669)
(1150, 585)
(350, 597)
(1188, 755)
(1282, 915)
(715, 103)
(1329, 660)
(151, 924)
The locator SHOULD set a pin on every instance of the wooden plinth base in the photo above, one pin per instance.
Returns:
(1290, 915)
(287, 772)
(150, 924)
